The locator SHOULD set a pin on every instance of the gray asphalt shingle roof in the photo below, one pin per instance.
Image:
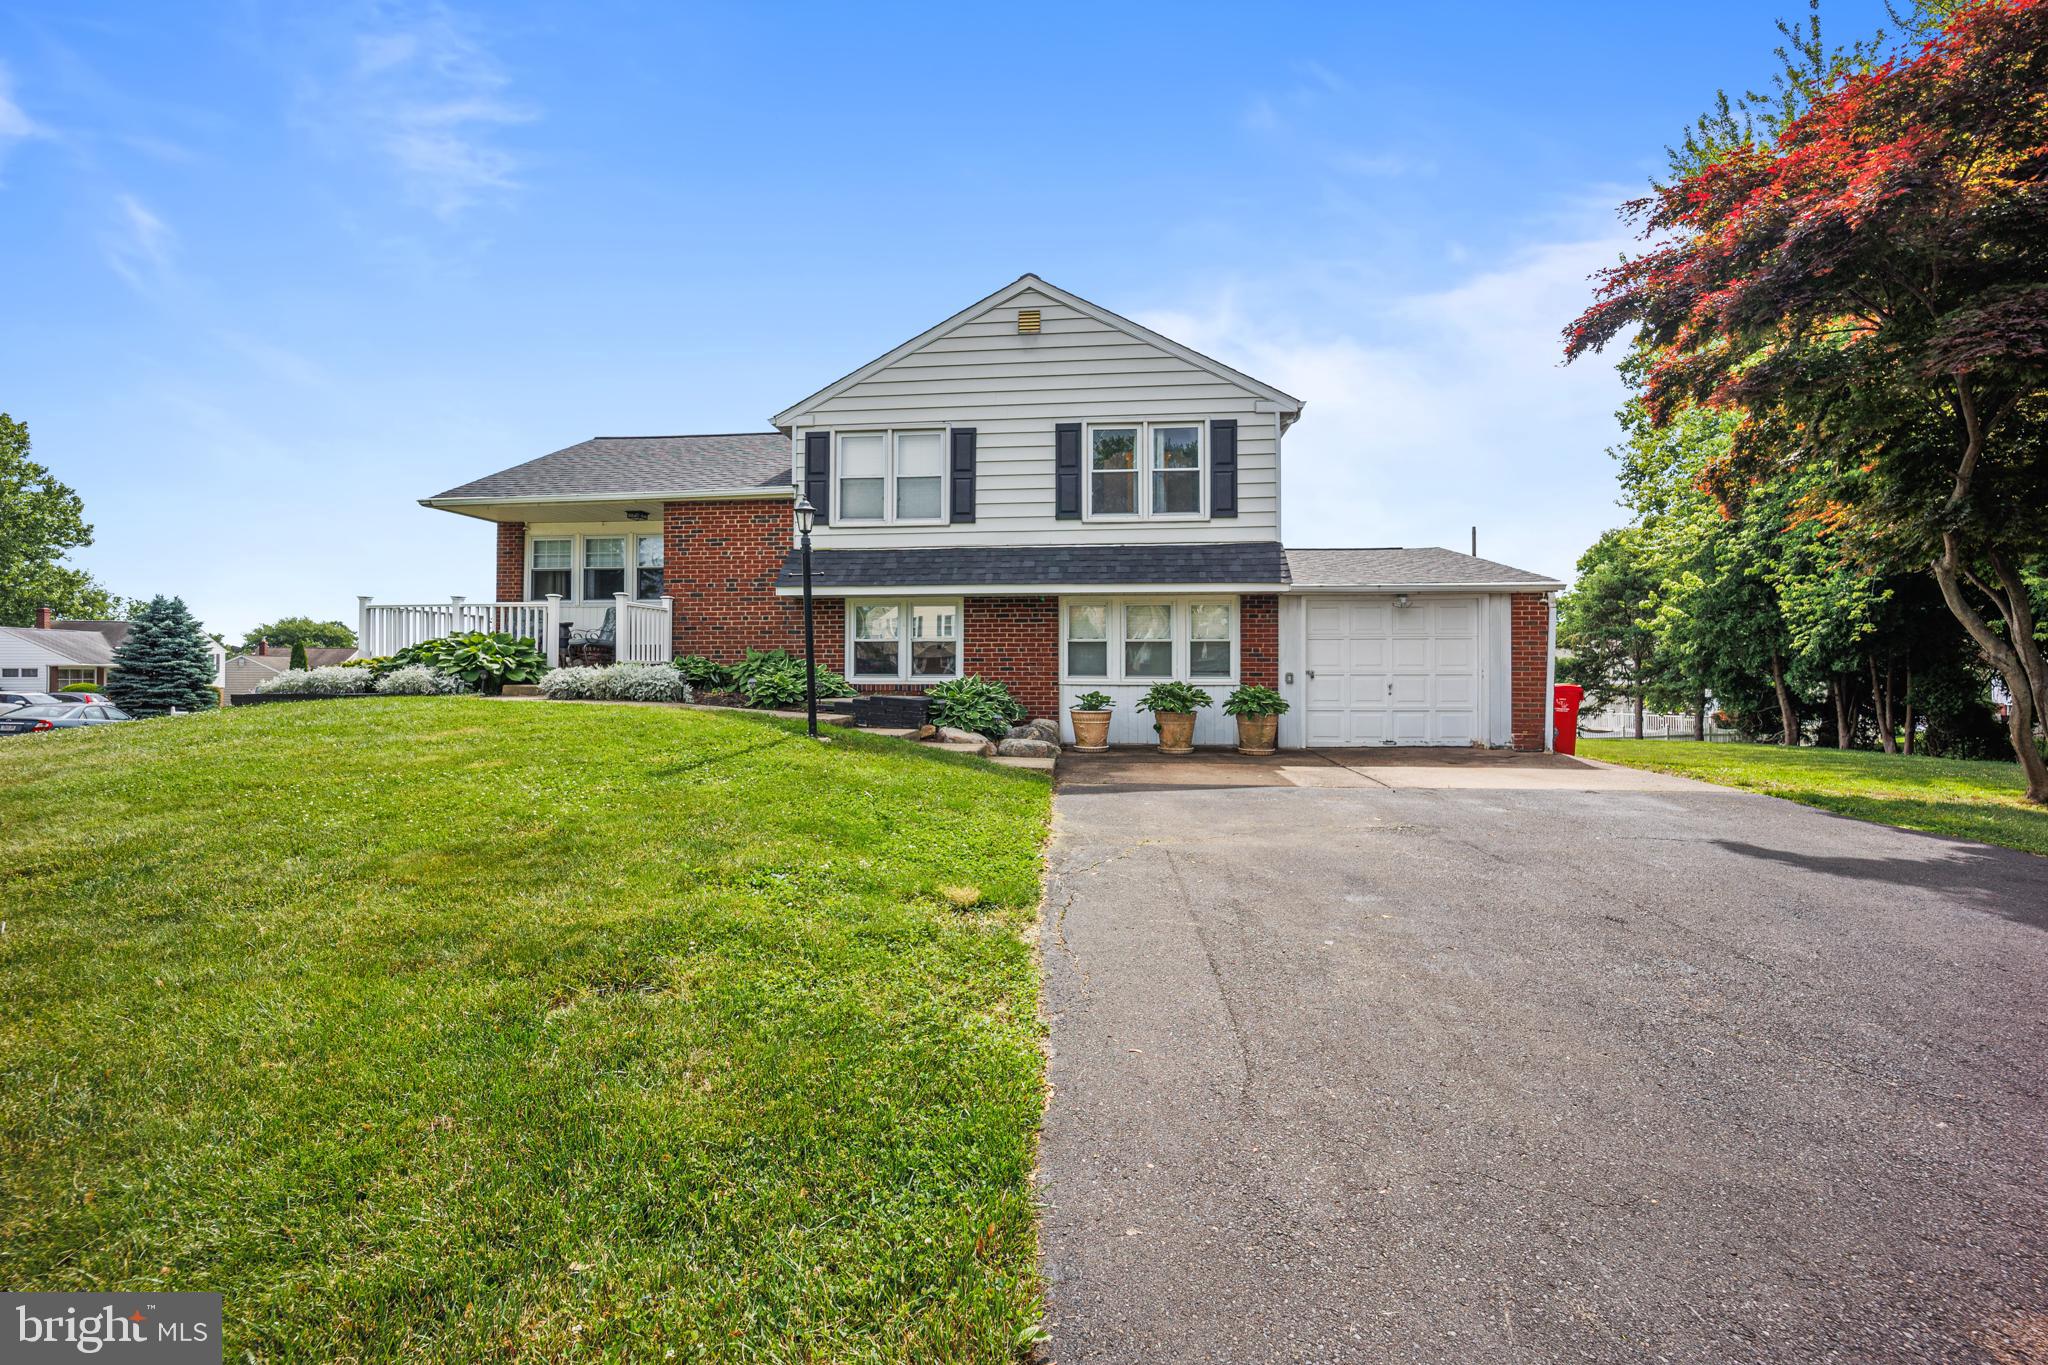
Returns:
(971, 566)
(634, 465)
(1391, 566)
(83, 647)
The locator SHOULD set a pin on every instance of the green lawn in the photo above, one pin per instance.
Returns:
(437, 1029)
(1962, 798)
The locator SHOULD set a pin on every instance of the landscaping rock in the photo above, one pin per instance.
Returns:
(1040, 728)
(1028, 748)
(948, 735)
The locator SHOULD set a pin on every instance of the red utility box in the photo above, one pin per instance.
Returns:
(1564, 714)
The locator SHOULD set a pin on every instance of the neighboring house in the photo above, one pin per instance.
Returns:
(1038, 491)
(249, 669)
(54, 654)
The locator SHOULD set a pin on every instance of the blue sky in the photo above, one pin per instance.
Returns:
(271, 273)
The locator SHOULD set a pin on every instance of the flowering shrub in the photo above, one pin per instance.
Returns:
(616, 682)
(417, 680)
(317, 682)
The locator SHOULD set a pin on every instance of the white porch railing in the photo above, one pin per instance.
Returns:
(642, 632)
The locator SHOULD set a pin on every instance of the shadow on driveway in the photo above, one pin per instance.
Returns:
(2000, 880)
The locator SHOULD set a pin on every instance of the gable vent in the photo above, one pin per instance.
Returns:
(1027, 320)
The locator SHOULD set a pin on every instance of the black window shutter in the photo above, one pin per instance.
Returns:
(963, 474)
(1223, 468)
(1066, 471)
(818, 473)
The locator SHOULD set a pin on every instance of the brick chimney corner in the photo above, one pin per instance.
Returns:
(43, 618)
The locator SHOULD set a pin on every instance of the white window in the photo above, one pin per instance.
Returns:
(891, 476)
(903, 641)
(1088, 640)
(1146, 469)
(66, 677)
(1144, 640)
(863, 476)
(604, 566)
(920, 475)
(647, 562)
(554, 563)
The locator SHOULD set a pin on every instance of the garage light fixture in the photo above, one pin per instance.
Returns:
(1400, 599)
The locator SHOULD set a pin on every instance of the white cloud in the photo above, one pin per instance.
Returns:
(15, 124)
(1434, 411)
(418, 90)
(139, 246)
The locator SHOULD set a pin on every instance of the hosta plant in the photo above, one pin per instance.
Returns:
(1094, 701)
(1174, 699)
(484, 660)
(705, 675)
(975, 704)
(1253, 700)
(774, 680)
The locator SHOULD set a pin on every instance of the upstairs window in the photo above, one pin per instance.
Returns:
(554, 561)
(892, 476)
(1146, 469)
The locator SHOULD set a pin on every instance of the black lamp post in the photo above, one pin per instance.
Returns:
(806, 516)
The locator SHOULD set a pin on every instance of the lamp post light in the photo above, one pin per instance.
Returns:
(806, 517)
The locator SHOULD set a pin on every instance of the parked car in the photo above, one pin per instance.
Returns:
(11, 700)
(27, 720)
(82, 698)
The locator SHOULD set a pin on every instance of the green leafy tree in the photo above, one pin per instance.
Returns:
(300, 630)
(41, 521)
(1866, 288)
(1604, 644)
(298, 659)
(163, 663)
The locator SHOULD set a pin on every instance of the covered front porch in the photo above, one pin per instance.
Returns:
(623, 629)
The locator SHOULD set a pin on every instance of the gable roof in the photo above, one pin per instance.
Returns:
(1391, 566)
(277, 660)
(85, 648)
(637, 467)
(1033, 284)
(114, 632)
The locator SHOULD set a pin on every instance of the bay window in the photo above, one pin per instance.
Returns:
(648, 558)
(903, 641)
(1146, 469)
(554, 561)
(891, 476)
(604, 566)
(1146, 640)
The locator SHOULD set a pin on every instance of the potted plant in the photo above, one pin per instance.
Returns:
(1090, 714)
(1173, 706)
(1258, 711)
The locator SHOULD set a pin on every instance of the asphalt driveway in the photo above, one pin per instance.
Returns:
(1595, 1069)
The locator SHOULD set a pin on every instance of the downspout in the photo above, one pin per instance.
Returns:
(1550, 679)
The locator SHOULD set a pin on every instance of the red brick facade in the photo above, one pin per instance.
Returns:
(511, 561)
(1529, 668)
(721, 561)
(1258, 639)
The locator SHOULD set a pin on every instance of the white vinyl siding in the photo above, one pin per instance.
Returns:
(1013, 390)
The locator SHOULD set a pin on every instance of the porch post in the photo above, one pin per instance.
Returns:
(619, 628)
(668, 627)
(552, 646)
(455, 616)
(363, 626)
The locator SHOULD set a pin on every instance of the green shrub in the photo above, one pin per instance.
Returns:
(79, 687)
(484, 660)
(298, 660)
(1094, 701)
(1253, 700)
(705, 675)
(416, 680)
(773, 679)
(976, 704)
(616, 682)
(1175, 698)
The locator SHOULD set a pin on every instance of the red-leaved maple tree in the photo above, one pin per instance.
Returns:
(1869, 290)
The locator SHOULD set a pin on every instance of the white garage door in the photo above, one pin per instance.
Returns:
(1384, 674)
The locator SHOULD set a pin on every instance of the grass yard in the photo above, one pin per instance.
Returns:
(1961, 798)
(434, 1029)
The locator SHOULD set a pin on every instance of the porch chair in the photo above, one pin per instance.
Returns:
(605, 639)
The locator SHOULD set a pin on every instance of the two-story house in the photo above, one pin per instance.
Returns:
(1035, 490)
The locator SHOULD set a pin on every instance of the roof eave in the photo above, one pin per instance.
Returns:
(1021, 589)
(445, 503)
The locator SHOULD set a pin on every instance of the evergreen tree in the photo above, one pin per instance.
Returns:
(298, 655)
(163, 663)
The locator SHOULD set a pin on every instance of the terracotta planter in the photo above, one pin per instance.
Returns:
(1176, 732)
(1091, 730)
(1256, 734)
